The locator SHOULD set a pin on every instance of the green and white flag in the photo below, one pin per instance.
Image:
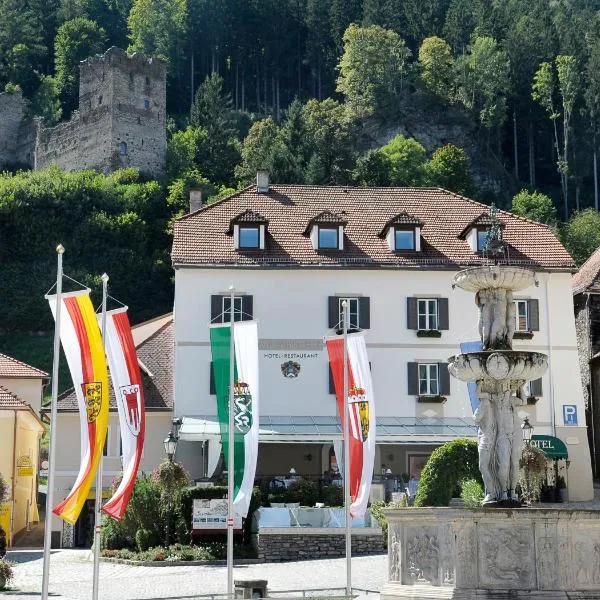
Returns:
(245, 417)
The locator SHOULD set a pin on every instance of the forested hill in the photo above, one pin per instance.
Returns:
(488, 98)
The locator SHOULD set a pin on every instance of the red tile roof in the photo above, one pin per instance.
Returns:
(586, 279)
(11, 401)
(200, 237)
(11, 367)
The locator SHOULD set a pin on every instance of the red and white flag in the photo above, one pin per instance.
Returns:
(129, 393)
(361, 403)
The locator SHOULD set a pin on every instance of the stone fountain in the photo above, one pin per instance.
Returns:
(498, 551)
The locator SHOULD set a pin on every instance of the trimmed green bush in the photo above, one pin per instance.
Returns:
(471, 493)
(447, 467)
(145, 539)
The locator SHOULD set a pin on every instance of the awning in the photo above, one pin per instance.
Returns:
(551, 446)
(308, 429)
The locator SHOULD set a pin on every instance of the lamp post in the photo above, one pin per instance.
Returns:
(527, 433)
(170, 444)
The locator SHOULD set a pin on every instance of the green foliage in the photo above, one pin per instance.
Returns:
(333, 495)
(437, 65)
(75, 41)
(301, 490)
(176, 552)
(581, 235)
(372, 70)
(377, 509)
(471, 492)
(446, 468)
(449, 168)
(45, 101)
(372, 169)
(532, 473)
(145, 539)
(406, 159)
(121, 229)
(535, 206)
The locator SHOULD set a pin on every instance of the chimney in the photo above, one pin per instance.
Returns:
(195, 200)
(262, 182)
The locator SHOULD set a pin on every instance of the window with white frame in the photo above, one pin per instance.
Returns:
(521, 315)
(353, 313)
(328, 238)
(428, 379)
(249, 237)
(427, 313)
(404, 239)
(237, 309)
(481, 239)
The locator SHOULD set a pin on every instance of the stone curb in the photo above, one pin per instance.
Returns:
(180, 563)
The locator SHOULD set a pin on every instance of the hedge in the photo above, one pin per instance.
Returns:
(446, 468)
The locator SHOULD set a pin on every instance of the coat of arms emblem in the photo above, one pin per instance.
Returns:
(131, 401)
(290, 369)
(92, 396)
(359, 414)
(242, 399)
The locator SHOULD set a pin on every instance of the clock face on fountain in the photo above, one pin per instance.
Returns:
(497, 366)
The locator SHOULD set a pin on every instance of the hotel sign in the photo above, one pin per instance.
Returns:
(551, 446)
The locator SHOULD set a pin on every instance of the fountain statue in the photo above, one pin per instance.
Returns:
(500, 373)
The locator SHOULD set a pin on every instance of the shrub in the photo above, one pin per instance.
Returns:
(447, 466)
(333, 495)
(471, 492)
(145, 539)
(6, 573)
(533, 465)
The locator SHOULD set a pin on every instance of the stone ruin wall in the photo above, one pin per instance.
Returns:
(17, 132)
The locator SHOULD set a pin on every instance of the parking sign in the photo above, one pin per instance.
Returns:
(570, 414)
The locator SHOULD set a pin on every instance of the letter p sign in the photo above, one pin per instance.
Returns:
(570, 414)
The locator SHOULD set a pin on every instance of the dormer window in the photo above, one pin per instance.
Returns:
(248, 229)
(326, 231)
(475, 233)
(481, 239)
(403, 233)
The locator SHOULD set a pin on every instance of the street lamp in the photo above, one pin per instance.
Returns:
(170, 444)
(527, 430)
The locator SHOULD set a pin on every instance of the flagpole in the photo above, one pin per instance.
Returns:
(98, 514)
(230, 454)
(346, 424)
(52, 447)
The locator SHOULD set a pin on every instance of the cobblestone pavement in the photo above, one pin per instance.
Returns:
(71, 577)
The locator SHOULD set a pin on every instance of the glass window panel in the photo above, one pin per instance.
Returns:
(249, 237)
(237, 308)
(328, 237)
(405, 239)
(481, 239)
(328, 429)
(284, 428)
(303, 420)
(522, 316)
(422, 321)
(353, 314)
(427, 313)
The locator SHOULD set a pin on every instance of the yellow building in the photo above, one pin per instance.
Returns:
(20, 433)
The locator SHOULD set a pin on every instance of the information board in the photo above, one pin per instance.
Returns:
(212, 514)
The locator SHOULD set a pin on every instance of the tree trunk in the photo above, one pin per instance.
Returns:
(531, 144)
(515, 144)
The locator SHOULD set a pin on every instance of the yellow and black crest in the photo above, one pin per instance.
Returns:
(92, 395)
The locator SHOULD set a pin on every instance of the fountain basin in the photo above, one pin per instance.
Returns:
(494, 276)
(498, 365)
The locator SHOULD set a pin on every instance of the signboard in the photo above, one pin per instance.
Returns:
(551, 446)
(24, 466)
(212, 514)
(570, 414)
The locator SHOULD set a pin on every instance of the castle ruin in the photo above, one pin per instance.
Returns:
(121, 121)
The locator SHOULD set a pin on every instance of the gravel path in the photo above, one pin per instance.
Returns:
(71, 577)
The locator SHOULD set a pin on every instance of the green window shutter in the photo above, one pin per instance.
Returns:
(333, 313)
(411, 314)
(247, 308)
(443, 317)
(413, 378)
(534, 314)
(444, 377)
(216, 309)
(364, 313)
(535, 388)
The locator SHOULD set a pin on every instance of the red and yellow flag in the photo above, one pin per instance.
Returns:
(82, 344)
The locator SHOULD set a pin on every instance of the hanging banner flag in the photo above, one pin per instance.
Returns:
(129, 394)
(361, 402)
(245, 428)
(82, 344)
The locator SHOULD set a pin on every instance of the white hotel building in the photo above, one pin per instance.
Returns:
(293, 252)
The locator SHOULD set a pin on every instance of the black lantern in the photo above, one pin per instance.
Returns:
(170, 445)
(527, 430)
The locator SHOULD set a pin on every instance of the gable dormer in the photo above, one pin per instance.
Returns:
(326, 230)
(248, 229)
(475, 233)
(403, 233)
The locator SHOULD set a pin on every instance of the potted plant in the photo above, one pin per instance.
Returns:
(6, 573)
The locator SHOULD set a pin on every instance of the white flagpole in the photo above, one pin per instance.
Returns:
(52, 449)
(346, 423)
(230, 442)
(98, 523)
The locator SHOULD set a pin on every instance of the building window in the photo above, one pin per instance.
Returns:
(353, 313)
(481, 239)
(328, 238)
(123, 148)
(404, 239)
(146, 104)
(249, 237)
(237, 309)
(522, 315)
(220, 308)
(428, 380)
(427, 314)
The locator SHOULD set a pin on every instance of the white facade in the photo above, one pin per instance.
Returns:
(291, 307)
